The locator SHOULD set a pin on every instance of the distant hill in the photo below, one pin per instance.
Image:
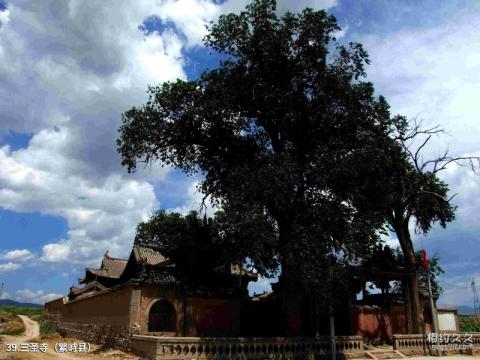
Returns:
(8, 302)
(465, 310)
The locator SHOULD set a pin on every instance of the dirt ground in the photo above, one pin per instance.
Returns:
(32, 334)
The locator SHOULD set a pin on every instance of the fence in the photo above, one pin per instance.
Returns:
(175, 348)
(417, 344)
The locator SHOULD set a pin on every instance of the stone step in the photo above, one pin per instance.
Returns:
(385, 354)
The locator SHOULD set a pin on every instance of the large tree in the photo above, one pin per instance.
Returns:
(279, 131)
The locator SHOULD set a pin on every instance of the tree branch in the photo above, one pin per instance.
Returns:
(441, 162)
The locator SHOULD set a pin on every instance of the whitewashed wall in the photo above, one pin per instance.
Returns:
(447, 321)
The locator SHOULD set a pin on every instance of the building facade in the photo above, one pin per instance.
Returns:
(146, 293)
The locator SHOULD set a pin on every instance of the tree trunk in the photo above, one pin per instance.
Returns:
(403, 235)
(290, 293)
(290, 304)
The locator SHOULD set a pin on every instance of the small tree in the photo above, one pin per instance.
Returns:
(417, 193)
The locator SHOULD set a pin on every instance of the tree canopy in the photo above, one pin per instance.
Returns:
(279, 130)
(293, 145)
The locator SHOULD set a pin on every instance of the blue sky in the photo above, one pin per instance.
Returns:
(69, 69)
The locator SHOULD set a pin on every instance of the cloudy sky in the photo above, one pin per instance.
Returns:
(68, 69)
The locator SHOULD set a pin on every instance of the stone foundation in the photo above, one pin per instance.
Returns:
(110, 336)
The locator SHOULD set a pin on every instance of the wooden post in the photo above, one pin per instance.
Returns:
(333, 346)
(184, 305)
(433, 311)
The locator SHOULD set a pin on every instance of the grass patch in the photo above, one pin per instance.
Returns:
(10, 324)
(16, 310)
(468, 323)
(47, 329)
(470, 328)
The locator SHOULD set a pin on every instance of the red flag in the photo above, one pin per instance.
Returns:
(424, 259)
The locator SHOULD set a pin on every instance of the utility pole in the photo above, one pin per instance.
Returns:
(476, 303)
(433, 311)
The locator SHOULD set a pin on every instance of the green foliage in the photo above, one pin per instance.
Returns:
(290, 140)
(18, 310)
(470, 328)
(193, 243)
(47, 329)
(197, 245)
(468, 323)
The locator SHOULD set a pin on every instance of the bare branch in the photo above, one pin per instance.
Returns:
(439, 163)
(417, 130)
(419, 149)
(435, 194)
(451, 197)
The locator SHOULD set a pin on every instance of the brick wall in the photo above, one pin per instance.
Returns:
(146, 296)
(109, 307)
(129, 306)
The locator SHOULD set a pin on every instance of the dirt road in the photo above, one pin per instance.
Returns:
(32, 333)
(32, 330)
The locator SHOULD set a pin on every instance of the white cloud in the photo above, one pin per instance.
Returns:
(9, 267)
(17, 255)
(36, 297)
(282, 5)
(4, 295)
(191, 16)
(341, 33)
(458, 289)
(4, 17)
(67, 72)
(435, 73)
(101, 213)
(56, 252)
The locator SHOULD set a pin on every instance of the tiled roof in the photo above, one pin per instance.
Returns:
(111, 267)
(91, 286)
(149, 256)
(160, 277)
(98, 272)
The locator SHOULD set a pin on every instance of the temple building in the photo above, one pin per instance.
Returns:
(147, 293)
(151, 295)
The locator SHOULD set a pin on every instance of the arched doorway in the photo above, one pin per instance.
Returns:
(162, 317)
